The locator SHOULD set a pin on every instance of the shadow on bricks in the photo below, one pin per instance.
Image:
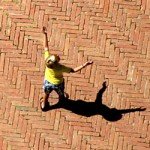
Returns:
(88, 109)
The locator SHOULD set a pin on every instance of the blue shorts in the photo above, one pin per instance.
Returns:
(49, 87)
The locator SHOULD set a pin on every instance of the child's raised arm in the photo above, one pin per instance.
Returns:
(45, 38)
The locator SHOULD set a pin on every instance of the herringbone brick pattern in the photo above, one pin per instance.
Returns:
(115, 34)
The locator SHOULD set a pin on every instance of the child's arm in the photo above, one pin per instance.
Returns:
(82, 66)
(45, 43)
(45, 38)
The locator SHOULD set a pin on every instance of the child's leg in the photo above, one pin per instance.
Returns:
(60, 91)
(44, 100)
(60, 94)
(47, 90)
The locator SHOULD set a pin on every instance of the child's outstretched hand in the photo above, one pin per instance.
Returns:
(89, 62)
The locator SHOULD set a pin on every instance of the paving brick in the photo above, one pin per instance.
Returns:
(2, 60)
(114, 34)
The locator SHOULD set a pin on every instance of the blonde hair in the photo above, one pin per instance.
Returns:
(53, 59)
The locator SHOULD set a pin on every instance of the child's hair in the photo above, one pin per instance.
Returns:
(53, 59)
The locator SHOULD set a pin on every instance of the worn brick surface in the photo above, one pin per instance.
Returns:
(115, 34)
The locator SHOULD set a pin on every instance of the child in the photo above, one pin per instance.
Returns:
(54, 74)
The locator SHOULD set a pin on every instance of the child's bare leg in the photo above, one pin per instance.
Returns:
(44, 100)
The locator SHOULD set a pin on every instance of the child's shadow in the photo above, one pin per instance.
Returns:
(93, 108)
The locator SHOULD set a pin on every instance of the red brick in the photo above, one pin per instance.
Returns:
(145, 44)
(2, 60)
(82, 20)
(140, 147)
(93, 71)
(1, 142)
(32, 138)
(24, 128)
(79, 142)
(37, 141)
(12, 34)
(148, 53)
(1, 16)
(102, 3)
(74, 140)
(30, 48)
(60, 3)
(12, 113)
(28, 6)
(86, 24)
(111, 33)
(147, 11)
(32, 10)
(21, 39)
(64, 5)
(65, 131)
(8, 106)
(36, 14)
(46, 146)
(136, 36)
(111, 4)
(61, 125)
(45, 20)
(83, 145)
(106, 6)
(88, 133)
(4, 23)
(25, 46)
(114, 16)
(15, 75)
(57, 121)
(40, 19)
(4, 146)
(27, 88)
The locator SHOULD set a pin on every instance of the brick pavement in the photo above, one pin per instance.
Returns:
(115, 34)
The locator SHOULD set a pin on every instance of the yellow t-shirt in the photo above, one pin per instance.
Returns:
(55, 75)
